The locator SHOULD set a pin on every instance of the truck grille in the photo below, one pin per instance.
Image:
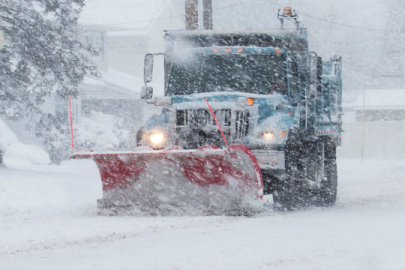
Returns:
(242, 124)
(202, 117)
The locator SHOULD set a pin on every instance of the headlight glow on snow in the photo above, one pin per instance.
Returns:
(157, 138)
(268, 136)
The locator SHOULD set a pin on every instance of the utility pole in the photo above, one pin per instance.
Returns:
(191, 14)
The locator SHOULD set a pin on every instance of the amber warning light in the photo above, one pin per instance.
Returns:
(250, 101)
(287, 11)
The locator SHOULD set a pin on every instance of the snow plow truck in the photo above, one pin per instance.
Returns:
(244, 114)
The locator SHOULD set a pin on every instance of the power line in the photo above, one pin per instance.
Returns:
(372, 15)
(273, 3)
(359, 8)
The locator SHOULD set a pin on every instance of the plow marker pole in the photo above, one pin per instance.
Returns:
(219, 126)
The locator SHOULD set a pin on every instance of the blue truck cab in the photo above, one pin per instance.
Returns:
(268, 92)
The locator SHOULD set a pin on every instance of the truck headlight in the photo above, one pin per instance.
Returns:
(156, 139)
(273, 137)
(268, 136)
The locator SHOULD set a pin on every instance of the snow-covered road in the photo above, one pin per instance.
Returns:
(49, 220)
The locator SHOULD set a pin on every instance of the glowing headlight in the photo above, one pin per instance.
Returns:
(273, 137)
(268, 136)
(157, 138)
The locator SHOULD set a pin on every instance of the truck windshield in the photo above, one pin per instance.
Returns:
(250, 73)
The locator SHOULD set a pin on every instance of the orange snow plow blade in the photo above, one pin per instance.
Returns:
(208, 176)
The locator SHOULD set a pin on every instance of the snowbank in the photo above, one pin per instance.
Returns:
(7, 137)
(102, 131)
(17, 155)
(20, 155)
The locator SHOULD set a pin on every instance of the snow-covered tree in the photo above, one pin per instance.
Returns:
(42, 58)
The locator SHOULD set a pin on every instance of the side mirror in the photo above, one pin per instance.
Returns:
(146, 92)
(148, 68)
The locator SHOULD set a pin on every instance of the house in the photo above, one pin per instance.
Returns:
(108, 111)
(125, 30)
(382, 133)
(380, 105)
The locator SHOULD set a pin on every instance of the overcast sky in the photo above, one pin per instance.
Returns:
(363, 32)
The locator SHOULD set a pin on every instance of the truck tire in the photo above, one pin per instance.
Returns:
(328, 190)
(288, 194)
(284, 198)
(311, 160)
(321, 168)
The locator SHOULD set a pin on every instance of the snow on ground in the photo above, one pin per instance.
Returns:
(49, 220)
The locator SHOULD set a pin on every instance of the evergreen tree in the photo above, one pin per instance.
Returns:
(42, 59)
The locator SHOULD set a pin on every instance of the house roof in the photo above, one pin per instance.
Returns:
(135, 15)
(112, 85)
(381, 99)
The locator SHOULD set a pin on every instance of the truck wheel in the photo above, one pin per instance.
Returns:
(328, 191)
(287, 194)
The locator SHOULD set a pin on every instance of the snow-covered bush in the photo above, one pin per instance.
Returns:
(103, 131)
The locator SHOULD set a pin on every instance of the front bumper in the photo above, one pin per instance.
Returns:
(270, 159)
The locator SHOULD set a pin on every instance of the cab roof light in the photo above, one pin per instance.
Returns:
(240, 50)
(277, 51)
(215, 50)
(228, 49)
(250, 101)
